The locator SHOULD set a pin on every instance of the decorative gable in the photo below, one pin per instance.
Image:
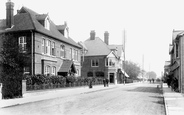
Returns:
(111, 55)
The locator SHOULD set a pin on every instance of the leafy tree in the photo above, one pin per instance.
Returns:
(12, 63)
(132, 69)
(151, 75)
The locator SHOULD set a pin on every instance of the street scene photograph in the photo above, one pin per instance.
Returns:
(91, 57)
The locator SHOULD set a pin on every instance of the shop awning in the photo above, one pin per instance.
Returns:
(67, 66)
(122, 71)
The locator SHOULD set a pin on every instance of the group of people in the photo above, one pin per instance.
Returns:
(153, 80)
(106, 82)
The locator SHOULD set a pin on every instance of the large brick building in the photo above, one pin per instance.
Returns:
(48, 46)
(101, 59)
(176, 51)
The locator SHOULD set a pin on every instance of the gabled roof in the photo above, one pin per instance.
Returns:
(176, 33)
(119, 49)
(96, 47)
(27, 19)
(66, 66)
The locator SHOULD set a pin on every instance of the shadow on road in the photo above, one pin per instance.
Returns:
(146, 90)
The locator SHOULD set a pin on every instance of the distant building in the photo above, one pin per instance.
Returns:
(176, 51)
(49, 48)
(101, 59)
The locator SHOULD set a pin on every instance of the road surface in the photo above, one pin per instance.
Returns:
(135, 99)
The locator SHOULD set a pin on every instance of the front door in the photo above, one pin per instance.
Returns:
(111, 77)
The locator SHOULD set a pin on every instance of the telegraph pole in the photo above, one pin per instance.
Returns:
(124, 57)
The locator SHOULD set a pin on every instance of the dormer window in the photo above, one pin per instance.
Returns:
(43, 19)
(47, 24)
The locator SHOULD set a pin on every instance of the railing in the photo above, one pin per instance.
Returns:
(56, 86)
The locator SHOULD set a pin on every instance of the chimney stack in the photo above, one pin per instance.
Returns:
(9, 14)
(106, 37)
(92, 35)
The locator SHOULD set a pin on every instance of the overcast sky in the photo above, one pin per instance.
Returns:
(148, 23)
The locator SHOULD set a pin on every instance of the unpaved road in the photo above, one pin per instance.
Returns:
(135, 99)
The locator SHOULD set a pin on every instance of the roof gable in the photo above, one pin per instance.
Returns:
(111, 55)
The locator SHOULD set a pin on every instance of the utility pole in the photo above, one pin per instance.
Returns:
(124, 56)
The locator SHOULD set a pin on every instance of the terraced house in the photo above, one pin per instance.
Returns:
(48, 46)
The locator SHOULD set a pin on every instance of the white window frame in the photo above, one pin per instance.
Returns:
(47, 24)
(53, 48)
(22, 43)
(76, 55)
(48, 47)
(62, 51)
(53, 70)
(43, 46)
(47, 69)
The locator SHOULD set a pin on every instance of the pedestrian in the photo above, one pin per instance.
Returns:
(90, 84)
(104, 82)
(107, 82)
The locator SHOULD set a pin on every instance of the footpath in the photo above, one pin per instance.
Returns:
(174, 101)
(30, 97)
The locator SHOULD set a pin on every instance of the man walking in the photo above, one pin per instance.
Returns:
(107, 82)
(104, 82)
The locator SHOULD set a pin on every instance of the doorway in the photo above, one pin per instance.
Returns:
(111, 77)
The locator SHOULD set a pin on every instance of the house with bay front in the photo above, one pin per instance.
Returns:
(48, 47)
(100, 59)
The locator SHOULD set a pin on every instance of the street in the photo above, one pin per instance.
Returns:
(135, 99)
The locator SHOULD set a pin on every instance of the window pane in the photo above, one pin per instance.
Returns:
(24, 39)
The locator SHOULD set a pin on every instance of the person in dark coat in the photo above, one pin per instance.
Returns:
(107, 82)
(104, 82)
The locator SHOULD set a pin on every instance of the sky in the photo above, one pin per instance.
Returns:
(148, 24)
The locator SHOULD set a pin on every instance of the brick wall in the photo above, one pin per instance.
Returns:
(51, 61)
(182, 64)
(86, 65)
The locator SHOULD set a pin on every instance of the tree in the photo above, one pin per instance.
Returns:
(132, 69)
(12, 63)
(151, 75)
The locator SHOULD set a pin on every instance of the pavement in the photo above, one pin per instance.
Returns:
(174, 101)
(30, 97)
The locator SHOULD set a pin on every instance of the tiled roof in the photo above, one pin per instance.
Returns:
(60, 27)
(82, 45)
(41, 16)
(96, 47)
(65, 67)
(26, 19)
